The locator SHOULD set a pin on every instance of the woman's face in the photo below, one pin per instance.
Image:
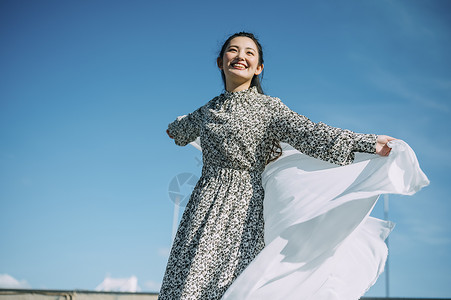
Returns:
(240, 62)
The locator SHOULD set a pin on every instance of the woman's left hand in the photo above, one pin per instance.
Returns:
(167, 131)
(381, 144)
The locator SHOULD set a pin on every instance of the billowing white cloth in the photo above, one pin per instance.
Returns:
(320, 241)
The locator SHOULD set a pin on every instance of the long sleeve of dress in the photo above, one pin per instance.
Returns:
(186, 129)
(318, 140)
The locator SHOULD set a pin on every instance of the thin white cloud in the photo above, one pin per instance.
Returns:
(434, 151)
(386, 80)
(152, 285)
(415, 21)
(119, 285)
(9, 282)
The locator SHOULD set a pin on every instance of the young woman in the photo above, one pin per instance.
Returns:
(222, 228)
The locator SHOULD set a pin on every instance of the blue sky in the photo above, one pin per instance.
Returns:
(87, 89)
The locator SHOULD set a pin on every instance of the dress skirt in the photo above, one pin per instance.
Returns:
(320, 241)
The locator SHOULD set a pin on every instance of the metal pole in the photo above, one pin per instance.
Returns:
(387, 265)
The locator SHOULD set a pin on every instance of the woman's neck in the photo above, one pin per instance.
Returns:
(237, 87)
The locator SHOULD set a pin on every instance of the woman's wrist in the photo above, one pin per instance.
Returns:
(365, 143)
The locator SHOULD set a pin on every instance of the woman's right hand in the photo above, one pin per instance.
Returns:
(381, 144)
(167, 131)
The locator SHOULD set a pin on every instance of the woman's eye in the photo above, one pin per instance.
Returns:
(250, 53)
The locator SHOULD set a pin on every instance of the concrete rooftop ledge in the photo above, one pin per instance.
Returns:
(22, 294)
(31, 294)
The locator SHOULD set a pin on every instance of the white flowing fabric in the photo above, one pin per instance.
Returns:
(320, 241)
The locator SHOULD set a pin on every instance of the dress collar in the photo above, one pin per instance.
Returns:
(249, 91)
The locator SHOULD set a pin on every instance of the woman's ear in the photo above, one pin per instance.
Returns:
(259, 70)
(219, 62)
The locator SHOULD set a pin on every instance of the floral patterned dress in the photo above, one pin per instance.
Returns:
(222, 227)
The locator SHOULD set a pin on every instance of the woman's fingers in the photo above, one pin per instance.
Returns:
(381, 144)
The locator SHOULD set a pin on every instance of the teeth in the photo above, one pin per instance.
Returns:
(241, 66)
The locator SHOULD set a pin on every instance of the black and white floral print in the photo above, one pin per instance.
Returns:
(221, 230)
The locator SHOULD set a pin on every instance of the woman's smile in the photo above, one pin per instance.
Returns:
(239, 65)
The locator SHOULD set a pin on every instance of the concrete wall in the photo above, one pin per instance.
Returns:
(91, 295)
(72, 295)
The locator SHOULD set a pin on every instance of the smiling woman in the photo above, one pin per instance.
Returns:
(253, 51)
(222, 228)
(240, 62)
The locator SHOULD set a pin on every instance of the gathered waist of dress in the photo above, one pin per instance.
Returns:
(215, 170)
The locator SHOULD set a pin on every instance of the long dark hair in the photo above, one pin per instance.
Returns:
(256, 80)
(276, 149)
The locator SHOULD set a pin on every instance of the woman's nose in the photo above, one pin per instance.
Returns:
(240, 55)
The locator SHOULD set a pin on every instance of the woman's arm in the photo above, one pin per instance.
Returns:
(319, 140)
(185, 129)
